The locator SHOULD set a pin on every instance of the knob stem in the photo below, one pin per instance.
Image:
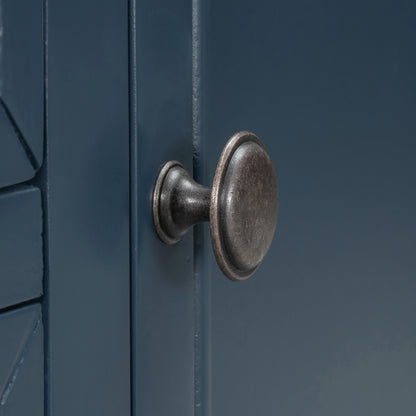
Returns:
(182, 202)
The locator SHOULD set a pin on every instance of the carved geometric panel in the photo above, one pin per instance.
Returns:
(21, 258)
(15, 166)
(21, 89)
(21, 362)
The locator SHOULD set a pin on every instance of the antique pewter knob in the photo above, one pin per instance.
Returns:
(241, 206)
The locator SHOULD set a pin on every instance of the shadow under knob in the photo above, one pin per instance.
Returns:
(241, 205)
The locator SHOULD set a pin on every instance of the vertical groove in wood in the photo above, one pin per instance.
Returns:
(202, 284)
(134, 174)
(44, 185)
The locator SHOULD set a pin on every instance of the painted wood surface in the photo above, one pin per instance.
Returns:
(88, 280)
(327, 324)
(21, 362)
(162, 276)
(15, 166)
(21, 88)
(21, 246)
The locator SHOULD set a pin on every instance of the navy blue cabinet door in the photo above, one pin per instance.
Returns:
(327, 324)
(98, 316)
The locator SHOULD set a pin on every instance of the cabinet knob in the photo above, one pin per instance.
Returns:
(241, 205)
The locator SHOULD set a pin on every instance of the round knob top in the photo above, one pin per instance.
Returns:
(243, 208)
(241, 205)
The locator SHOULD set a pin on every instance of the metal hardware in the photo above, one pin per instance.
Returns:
(241, 206)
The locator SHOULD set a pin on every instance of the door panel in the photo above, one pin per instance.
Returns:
(21, 247)
(21, 90)
(326, 326)
(21, 362)
(22, 76)
(15, 166)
